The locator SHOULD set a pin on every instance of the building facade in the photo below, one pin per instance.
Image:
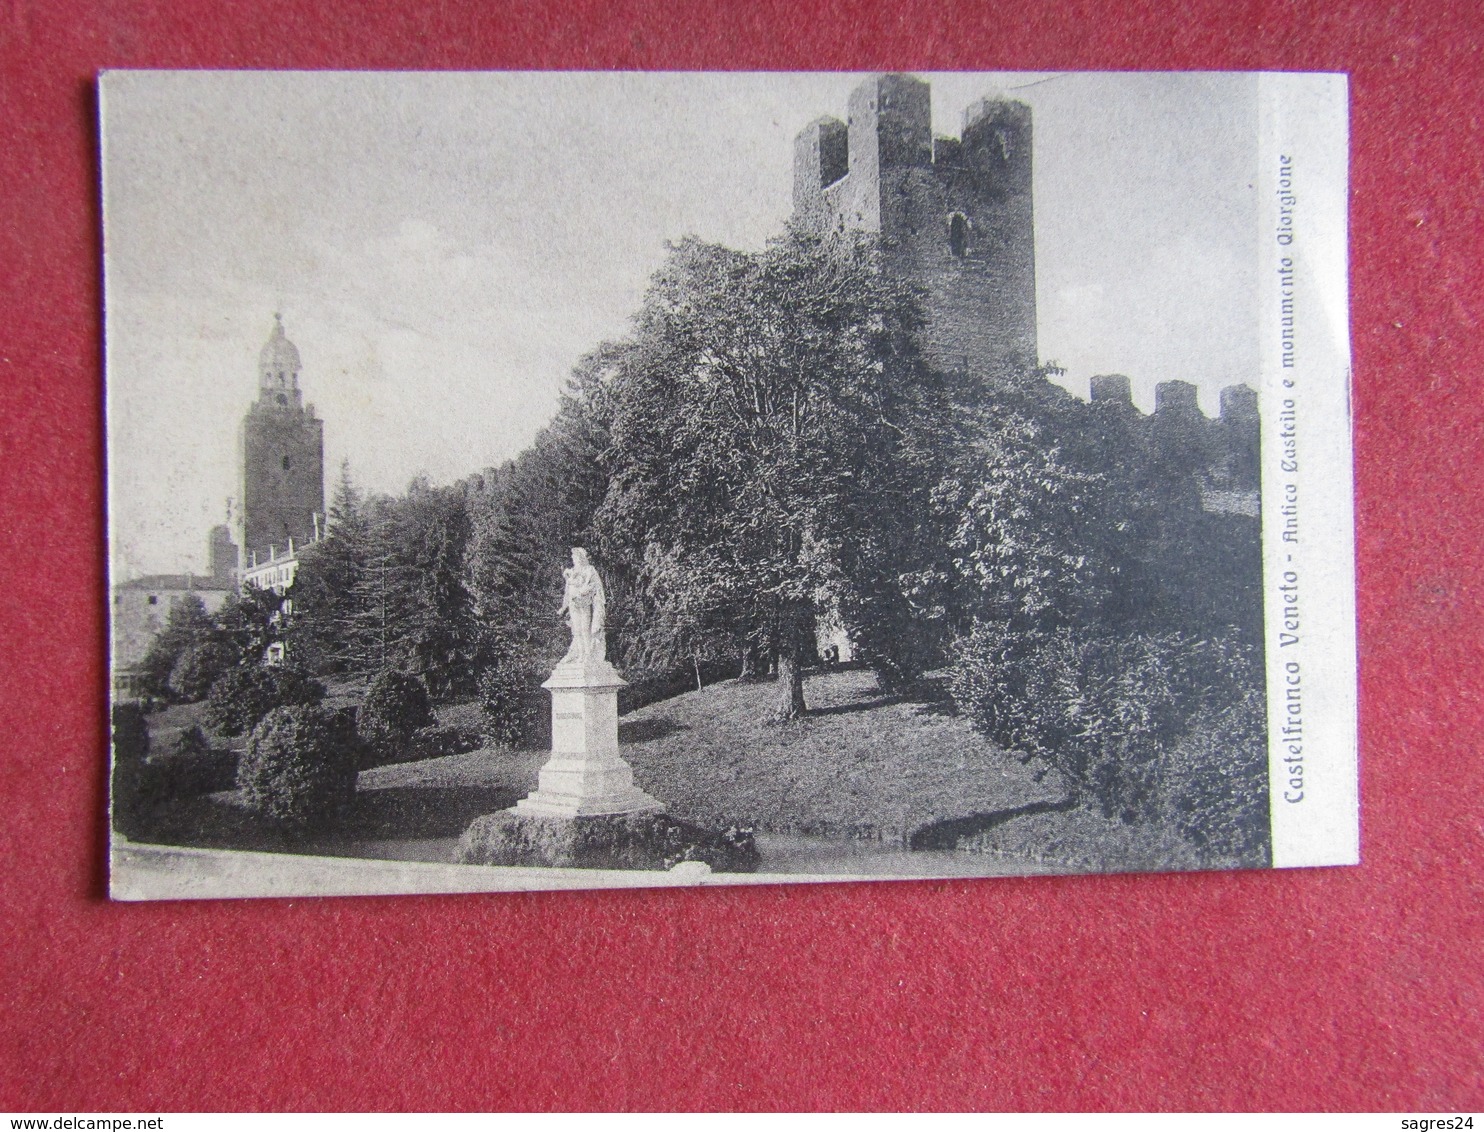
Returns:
(141, 608)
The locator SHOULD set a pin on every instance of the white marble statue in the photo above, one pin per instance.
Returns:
(586, 775)
(585, 605)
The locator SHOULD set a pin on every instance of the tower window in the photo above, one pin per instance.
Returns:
(958, 235)
(285, 463)
(283, 399)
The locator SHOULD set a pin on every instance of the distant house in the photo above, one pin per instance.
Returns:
(140, 609)
(275, 571)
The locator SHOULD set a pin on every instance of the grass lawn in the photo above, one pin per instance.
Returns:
(862, 766)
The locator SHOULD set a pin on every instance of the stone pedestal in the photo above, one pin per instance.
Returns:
(585, 775)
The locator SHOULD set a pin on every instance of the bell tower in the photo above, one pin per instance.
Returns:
(283, 458)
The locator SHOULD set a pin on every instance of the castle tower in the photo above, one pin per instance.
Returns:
(954, 215)
(221, 554)
(283, 457)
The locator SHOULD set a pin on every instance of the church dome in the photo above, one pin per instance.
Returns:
(279, 354)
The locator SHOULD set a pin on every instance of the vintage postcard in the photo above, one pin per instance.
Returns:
(573, 480)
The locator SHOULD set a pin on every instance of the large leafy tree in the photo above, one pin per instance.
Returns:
(1022, 530)
(773, 439)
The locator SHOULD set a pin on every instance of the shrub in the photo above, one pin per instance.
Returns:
(130, 733)
(396, 707)
(199, 667)
(191, 766)
(300, 765)
(1110, 711)
(190, 743)
(510, 705)
(128, 791)
(436, 742)
(1218, 785)
(243, 696)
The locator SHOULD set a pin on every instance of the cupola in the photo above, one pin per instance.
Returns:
(278, 368)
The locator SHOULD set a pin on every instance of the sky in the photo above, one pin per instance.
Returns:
(444, 248)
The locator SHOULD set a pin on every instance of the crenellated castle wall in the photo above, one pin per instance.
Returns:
(954, 215)
(1219, 455)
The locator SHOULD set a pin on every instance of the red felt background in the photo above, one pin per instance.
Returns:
(1335, 989)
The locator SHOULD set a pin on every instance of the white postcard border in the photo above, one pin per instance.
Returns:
(1307, 474)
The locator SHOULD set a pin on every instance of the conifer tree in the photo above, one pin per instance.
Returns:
(187, 624)
(327, 588)
(527, 514)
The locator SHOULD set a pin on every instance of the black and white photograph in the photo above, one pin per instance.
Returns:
(562, 480)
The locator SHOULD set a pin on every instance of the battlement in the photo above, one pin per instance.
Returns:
(955, 218)
(996, 143)
(1176, 397)
(1112, 387)
(954, 215)
(948, 153)
(1238, 402)
(821, 157)
(888, 130)
(891, 123)
(1217, 456)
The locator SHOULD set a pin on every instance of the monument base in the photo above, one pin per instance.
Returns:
(586, 776)
(650, 841)
(586, 812)
(573, 786)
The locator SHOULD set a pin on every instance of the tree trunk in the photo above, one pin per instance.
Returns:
(790, 702)
(749, 664)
